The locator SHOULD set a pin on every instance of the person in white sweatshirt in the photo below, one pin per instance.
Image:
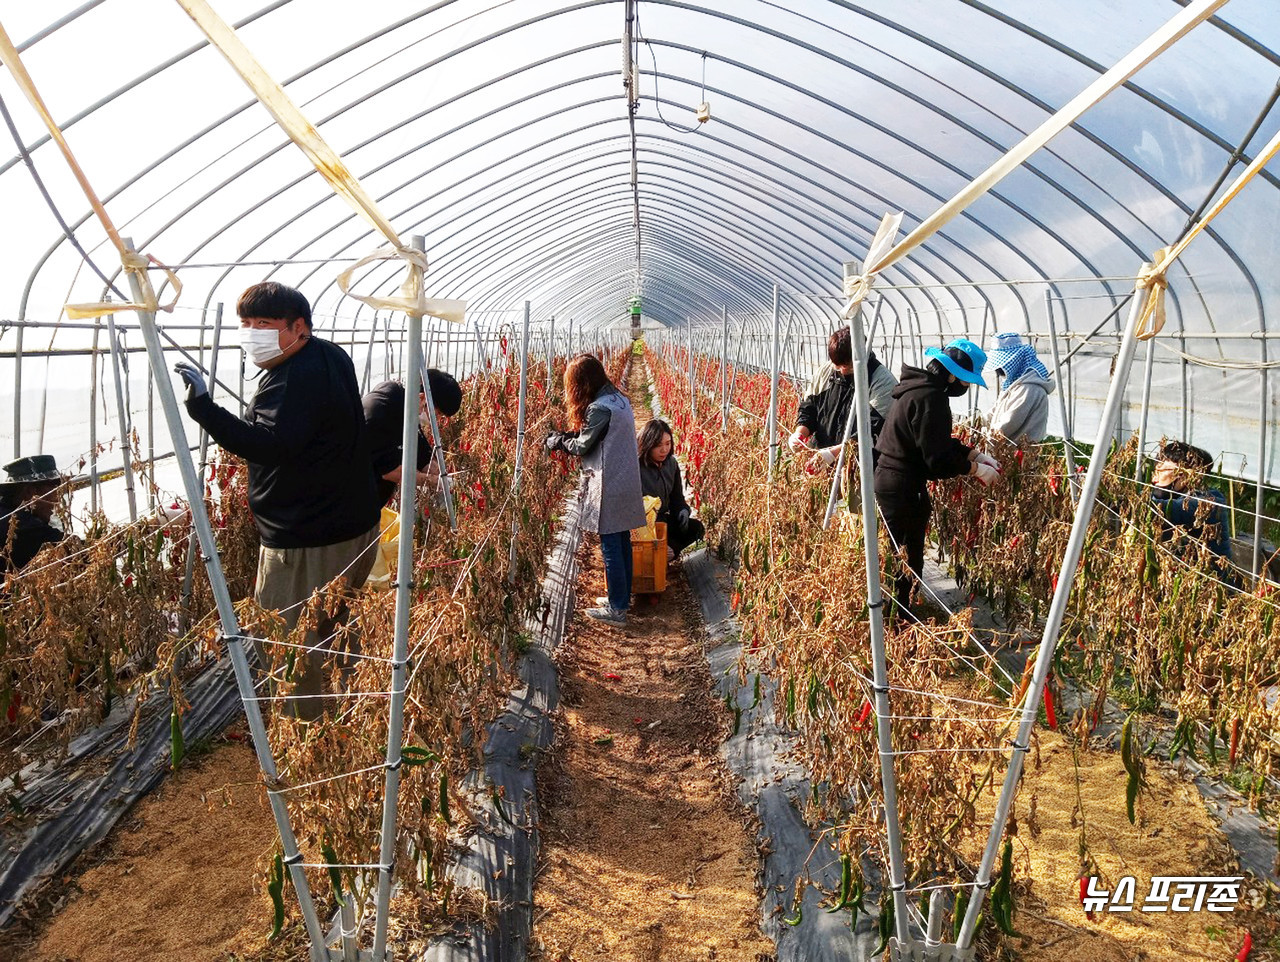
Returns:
(1022, 408)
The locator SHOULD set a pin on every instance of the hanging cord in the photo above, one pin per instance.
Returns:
(53, 208)
(657, 103)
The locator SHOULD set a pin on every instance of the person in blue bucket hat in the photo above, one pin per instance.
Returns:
(1022, 408)
(916, 446)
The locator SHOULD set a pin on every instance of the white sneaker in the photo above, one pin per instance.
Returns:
(602, 601)
(608, 616)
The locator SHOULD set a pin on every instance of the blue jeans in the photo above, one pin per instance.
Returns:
(615, 549)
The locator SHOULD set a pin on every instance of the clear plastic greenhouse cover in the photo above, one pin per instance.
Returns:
(500, 131)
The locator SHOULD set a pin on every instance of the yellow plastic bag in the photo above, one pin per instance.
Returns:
(388, 550)
(648, 532)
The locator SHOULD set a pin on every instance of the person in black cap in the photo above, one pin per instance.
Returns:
(28, 498)
(1178, 494)
(916, 446)
(384, 422)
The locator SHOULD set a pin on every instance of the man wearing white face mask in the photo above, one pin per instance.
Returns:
(311, 483)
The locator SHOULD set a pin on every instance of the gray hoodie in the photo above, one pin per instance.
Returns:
(1023, 409)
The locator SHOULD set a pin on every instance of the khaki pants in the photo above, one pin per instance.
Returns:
(286, 579)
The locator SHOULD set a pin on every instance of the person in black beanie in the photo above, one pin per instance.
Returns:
(916, 446)
(384, 420)
(28, 498)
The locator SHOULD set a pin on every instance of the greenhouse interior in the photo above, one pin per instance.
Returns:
(914, 353)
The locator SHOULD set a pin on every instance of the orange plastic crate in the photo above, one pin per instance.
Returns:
(649, 563)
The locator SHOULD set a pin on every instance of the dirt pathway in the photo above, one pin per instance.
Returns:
(643, 855)
(174, 881)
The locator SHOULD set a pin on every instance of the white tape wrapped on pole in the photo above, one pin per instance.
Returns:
(1178, 26)
(411, 299)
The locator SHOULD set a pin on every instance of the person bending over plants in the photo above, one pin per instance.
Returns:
(603, 435)
(660, 478)
(384, 419)
(824, 410)
(916, 446)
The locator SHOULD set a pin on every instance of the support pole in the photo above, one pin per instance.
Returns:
(17, 391)
(482, 355)
(1146, 408)
(875, 617)
(844, 444)
(1062, 398)
(520, 417)
(1053, 623)
(724, 370)
(93, 419)
(400, 642)
(368, 359)
(188, 575)
(122, 416)
(1259, 492)
(693, 384)
(437, 451)
(227, 616)
(772, 423)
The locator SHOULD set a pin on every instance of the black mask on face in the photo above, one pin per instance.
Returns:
(957, 388)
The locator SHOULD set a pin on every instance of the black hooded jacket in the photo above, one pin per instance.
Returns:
(825, 412)
(916, 443)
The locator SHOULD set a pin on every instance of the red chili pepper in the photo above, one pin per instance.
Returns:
(736, 600)
(612, 676)
(862, 716)
(1243, 954)
(1049, 713)
(1084, 888)
(14, 705)
(1235, 741)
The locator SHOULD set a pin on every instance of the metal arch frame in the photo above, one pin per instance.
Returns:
(1103, 145)
(572, 8)
(779, 80)
(576, 50)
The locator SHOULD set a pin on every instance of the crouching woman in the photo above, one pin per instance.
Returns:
(604, 437)
(660, 478)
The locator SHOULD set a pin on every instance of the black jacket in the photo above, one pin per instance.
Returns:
(311, 482)
(384, 424)
(825, 412)
(916, 442)
(664, 483)
(30, 534)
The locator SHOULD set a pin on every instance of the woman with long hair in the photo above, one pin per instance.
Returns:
(603, 435)
(660, 478)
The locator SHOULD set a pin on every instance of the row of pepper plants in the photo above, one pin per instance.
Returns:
(800, 596)
(96, 620)
(467, 627)
(1154, 622)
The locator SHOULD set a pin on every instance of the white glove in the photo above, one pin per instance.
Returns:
(985, 473)
(987, 460)
(828, 456)
(798, 442)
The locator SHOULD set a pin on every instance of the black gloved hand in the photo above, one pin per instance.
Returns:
(682, 519)
(555, 441)
(192, 378)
